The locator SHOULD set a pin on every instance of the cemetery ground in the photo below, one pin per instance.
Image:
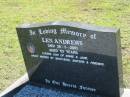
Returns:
(110, 13)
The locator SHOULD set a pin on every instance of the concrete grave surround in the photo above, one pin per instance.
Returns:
(25, 79)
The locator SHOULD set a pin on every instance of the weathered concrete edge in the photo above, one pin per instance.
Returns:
(16, 84)
(126, 93)
(25, 79)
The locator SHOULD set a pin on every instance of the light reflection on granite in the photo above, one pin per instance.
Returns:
(34, 91)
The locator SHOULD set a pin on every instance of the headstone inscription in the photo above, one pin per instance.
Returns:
(73, 56)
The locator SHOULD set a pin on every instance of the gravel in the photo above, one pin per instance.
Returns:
(35, 91)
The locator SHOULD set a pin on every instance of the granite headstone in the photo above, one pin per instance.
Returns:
(73, 56)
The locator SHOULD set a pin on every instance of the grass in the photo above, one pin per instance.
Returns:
(112, 13)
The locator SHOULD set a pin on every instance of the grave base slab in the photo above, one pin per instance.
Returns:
(23, 88)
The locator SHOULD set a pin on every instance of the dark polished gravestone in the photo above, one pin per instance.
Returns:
(72, 57)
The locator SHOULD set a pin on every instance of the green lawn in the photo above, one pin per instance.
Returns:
(112, 13)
